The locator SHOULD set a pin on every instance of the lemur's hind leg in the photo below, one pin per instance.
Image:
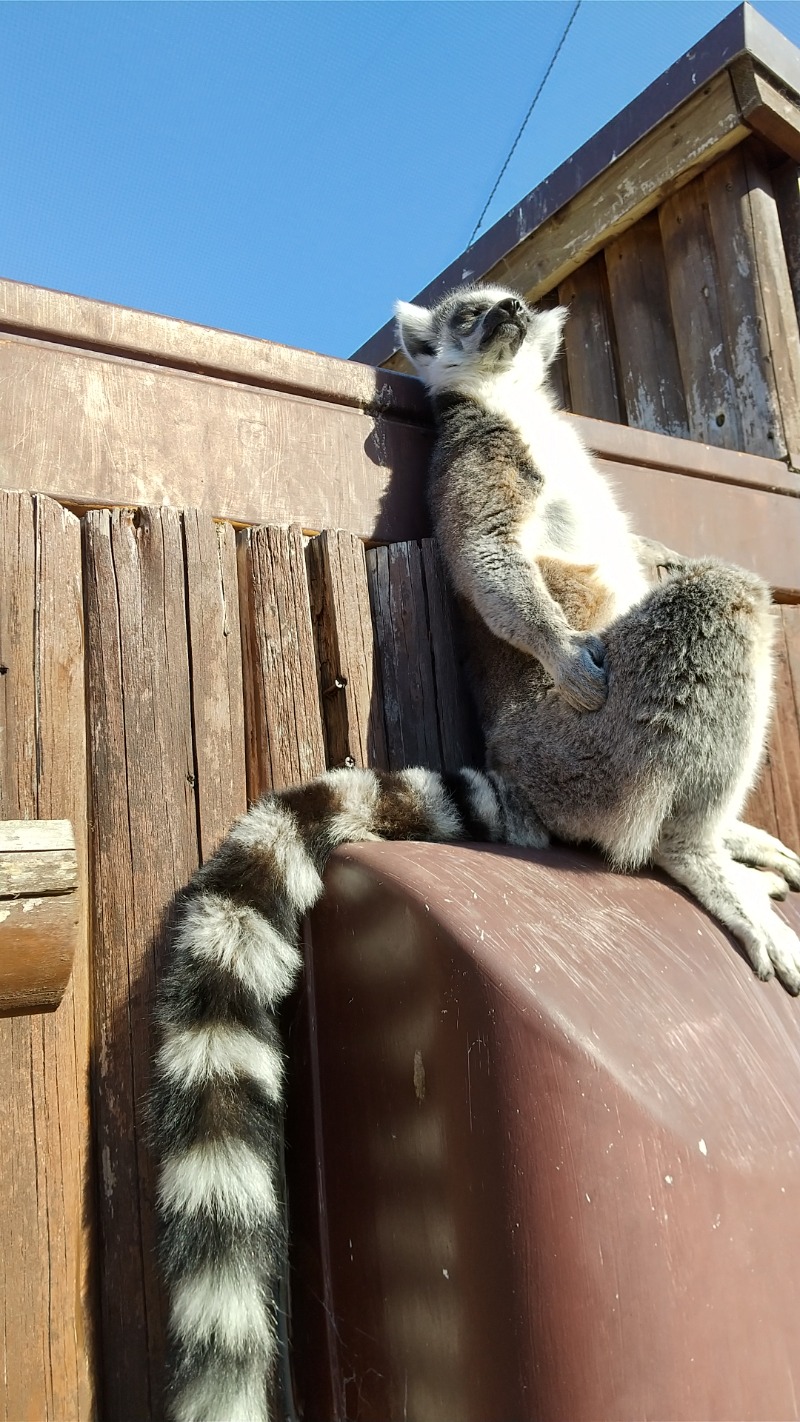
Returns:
(760, 850)
(735, 899)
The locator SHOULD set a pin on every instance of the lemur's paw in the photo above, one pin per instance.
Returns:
(783, 947)
(581, 677)
(784, 862)
(774, 884)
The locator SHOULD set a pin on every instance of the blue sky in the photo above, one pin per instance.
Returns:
(288, 169)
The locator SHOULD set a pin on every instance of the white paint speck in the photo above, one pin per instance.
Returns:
(446, 1273)
(702, 1147)
(667, 1179)
(588, 1199)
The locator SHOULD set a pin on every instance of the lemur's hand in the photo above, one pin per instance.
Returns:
(580, 675)
(654, 556)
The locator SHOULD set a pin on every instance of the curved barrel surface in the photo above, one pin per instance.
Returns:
(558, 1147)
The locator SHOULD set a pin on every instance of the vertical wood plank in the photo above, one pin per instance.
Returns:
(559, 375)
(705, 362)
(786, 181)
(459, 732)
(589, 343)
(144, 847)
(648, 358)
(428, 711)
(347, 658)
(216, 673)
(775, 289)
(45, 1279)
(756, 302)
(283, 719)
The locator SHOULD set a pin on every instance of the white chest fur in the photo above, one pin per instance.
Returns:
(586, 525)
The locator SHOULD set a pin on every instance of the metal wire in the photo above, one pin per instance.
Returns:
(576, 7)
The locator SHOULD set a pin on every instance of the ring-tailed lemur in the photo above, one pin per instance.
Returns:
(627, 715)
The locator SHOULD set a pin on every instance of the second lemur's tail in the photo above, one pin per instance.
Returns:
(218, 1079)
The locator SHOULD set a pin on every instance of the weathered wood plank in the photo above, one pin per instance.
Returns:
(705, 359)
(699, 131)
(741, 308)
(144, 847)
(39, 935)
(45, 1172)
(786, 181)
(589, 342)
(25, 870)
(775, 289)
(459, 732)
(35, 836)
(347, 660)
(620, 444)
(648, 359)
(773, 115)
(759, 530)
(92, 428)
(398, 608)
(216, 668)
(283, 719)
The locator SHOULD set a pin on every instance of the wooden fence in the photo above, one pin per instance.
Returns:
(161, 664)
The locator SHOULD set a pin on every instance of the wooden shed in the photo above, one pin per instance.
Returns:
(673, 236)
(216, 579)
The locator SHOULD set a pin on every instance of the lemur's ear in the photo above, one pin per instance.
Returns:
(549, 328)
(415, 329)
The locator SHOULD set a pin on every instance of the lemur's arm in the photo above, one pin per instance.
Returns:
(510, 595)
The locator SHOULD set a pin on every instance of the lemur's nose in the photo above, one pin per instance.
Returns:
(512, 305)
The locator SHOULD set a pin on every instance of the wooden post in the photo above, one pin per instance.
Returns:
(39, 913)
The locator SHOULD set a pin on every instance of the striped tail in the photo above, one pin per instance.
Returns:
(218, 1079)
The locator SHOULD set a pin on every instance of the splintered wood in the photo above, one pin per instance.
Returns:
(45, 1278)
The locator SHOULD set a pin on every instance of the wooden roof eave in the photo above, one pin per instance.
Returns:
(743, 77)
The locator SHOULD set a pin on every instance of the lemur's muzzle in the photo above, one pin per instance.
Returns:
(507, 321)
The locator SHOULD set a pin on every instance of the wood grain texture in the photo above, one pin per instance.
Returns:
(786, 182)
(589, 343)
(756, 529)
(707, 125)
(427, 713)
(40, 913)
(283, 719)
(45, 1267)
(347, 659)
(215, 648)
(93, 428)
(695, 298)
(774, 116)
(80, 323)
(166, 774)
(741, 263)
(458, 727)
(648, 359)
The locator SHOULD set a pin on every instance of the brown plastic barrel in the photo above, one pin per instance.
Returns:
(549, 1164)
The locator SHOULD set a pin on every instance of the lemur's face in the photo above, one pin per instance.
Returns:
(477, 331)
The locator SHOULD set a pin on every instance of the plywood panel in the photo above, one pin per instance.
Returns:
(589, 343)
(648, 359)
(156, 749)
(45, 1280)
